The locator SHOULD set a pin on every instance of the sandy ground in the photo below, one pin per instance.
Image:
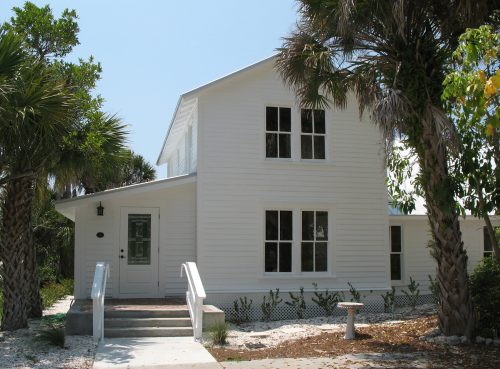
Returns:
(21, 349)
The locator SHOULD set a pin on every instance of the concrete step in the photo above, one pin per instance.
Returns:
(147, 313)
(146, 322)
(148, 332)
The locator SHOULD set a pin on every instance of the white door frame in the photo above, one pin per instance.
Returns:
(153, 290)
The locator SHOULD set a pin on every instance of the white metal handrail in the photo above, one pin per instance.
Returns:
(194, 297)
(98, 291)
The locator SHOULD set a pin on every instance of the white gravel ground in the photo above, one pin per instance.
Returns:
(270, 334)
(20, 349)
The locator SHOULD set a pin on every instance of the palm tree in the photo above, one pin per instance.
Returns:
(35, 117)
(393, 55)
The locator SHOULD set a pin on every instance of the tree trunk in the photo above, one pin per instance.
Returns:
(456, 316)
(17, 253)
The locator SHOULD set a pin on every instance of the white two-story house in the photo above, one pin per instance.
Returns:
(261, 194)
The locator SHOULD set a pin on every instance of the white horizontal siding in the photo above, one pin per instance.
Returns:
(236, 183)
(177, 238)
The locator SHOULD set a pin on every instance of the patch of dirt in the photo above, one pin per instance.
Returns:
(400, 338)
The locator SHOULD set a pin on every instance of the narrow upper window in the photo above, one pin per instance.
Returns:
(312, 137)
(278, 132)
(314, 253)
(488, 249)
(278, 243)
(396, 253)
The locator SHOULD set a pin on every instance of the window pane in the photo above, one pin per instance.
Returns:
(286, 225)
(321, 256)
(271, 118)
(395, 238)
(319, 147)
(306, 120)
(306, 147)
(307, 257)
(285, 119)
(285, 257)
(271, 262)
(322, 225)
(271, 145)
(271, 225)
(319, 121)
(284, 146)
(395, 267)
(308, 225)
(139, 239)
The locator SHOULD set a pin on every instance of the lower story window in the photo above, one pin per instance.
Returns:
(278, 243)
(396, 253)
(314, 246)
(487, 246)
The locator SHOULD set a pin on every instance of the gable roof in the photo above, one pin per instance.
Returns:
(188, 100)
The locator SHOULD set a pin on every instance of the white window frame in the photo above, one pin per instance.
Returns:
(278, 132)
(312, 135)
(278, 241)
(327, 241)
(401, 254)
(486, 237)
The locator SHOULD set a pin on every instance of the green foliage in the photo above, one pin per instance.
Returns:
(59, 318)
(52, 334)
(269, 304)
(413, 293)
(298, 303)
(218, 333)
(389, 300)
(485, 291)
(326, 300)
(242, 308)
(355, 295)
(55, 291)
(435, 291)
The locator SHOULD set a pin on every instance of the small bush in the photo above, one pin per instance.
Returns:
(298, 303)
(485, 291)
(242, 309)
(269, 304)
(435, 291)
(389, 297)
(355, 295)
(413, 293)
(56, 291)
(52, 334)
(218, 333)
(327, 301)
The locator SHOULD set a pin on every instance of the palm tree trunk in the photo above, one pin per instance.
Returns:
(34, 300)
(456, 316)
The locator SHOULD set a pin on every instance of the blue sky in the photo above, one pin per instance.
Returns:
(152, 51)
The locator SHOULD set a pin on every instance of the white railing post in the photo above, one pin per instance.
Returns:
(194, 297)
(98, 292)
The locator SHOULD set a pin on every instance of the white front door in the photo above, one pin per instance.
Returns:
(138, 252)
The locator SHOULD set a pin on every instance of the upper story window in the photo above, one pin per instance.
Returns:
(278, 132)
(313, 132)
(314, 248)
(396, 253)
(278, 243)
(488, 249)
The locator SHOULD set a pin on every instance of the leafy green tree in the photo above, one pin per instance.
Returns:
(472, 98)
(34, 119)
(393, 55)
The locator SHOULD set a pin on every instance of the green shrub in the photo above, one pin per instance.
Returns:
(242, 309)
(389, 298)
(56, 291)
(413, 293)
(435, 291)
(52, 334)
(269, 304)
(355, 295)
(298, 303)
(326, 300)
(218, 333)
(485, 291)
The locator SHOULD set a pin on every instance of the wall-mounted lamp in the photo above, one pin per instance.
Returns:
(100, 210)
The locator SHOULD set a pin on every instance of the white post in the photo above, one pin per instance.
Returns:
(349, 330)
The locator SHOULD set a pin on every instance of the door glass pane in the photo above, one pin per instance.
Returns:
(139, 239)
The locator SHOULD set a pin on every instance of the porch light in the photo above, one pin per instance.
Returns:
(100, 210)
